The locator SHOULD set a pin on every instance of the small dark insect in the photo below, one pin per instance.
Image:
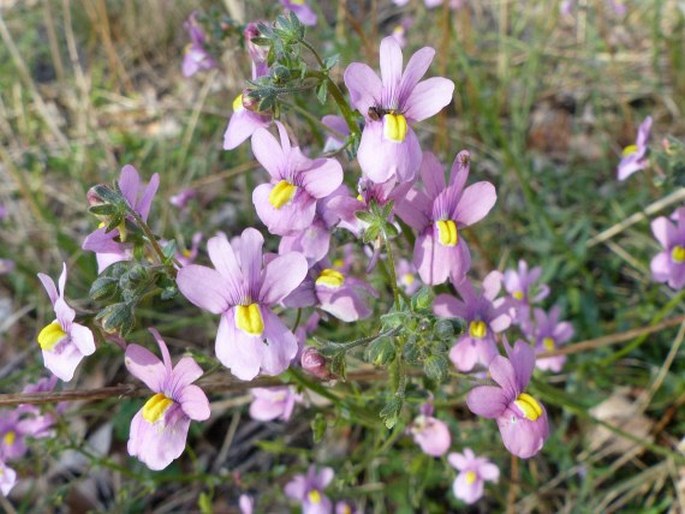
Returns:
(376, 113)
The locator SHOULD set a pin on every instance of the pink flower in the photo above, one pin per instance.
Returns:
(473, 473)
(439, 212)
(287, 204)
(8, 477)
(547, 334)
(273, 403)
(521, 419)
(195, 56)
(669, 265)
(390, 105)
(431, 434)
(634, 157)
(308, 489)
(246, 504)
(63, 342)
(485, 316)
(110, 247)
(304, 13)
(243, 290)
(159, 430)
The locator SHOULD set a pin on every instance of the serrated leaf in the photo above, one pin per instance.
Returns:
(435, 367)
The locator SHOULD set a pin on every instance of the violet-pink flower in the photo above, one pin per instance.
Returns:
(111, 247)
(521, 419)
(270, 403)
(63, 342)
(308, 490)
(287, 204)
(669, 265)
(243, 290)
(473, 473)
(484, 314)
(390, 105)
(634, 157)
(439, 212)
(159, 430)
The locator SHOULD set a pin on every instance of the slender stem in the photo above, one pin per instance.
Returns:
(391, 270)
(153, 240)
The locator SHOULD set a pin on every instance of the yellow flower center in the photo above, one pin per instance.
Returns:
(629, 150)
(470, 477)
(478, 329)
(248, 318)
(238, 103)
(9, 438)
(338, 263)
(330, 278)
(314, 497)
(345, 509)
(678, 254)
(395, 127)
(186, 253)
(518, 295)
(548, 343)
(51, 335)
(408, 278)
(447, 232)
(155, 407)
(529, 406)
(297, 2)
(282, 193)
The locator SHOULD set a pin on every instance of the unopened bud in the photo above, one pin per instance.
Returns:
(314, 363)
(250, 100)
(93, 198)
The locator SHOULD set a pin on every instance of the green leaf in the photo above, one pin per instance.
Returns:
(319, 426)
(435, 367)
(391, 412)
(322, 91)
(381, 351)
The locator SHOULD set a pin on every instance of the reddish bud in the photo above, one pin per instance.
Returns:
(314, 363)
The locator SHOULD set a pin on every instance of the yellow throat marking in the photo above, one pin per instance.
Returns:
(478, 329)
(9, 438)
(470, 477)
(548, 343)
(629, 150)
(248, 318)
(529, 406)
(281, 194)
(678, 254)
(155, 407)
(518, 295)
(314, 497)
(51, 335)
(447, 232)
(238, 103)
(395, 127)
(330, 278)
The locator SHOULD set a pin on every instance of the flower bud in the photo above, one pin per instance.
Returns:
(314, 363)
(250, 100)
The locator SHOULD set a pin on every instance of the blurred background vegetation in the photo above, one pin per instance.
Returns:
(544, 101)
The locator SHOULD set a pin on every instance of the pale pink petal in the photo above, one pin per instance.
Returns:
(268, 152)
(194, 403)
(145, 366)
(281, 345)
(475, 203)
(82, 337)
(205, 287)
(236, 350)
(391, 67)
(428, 98)
(364, 85)
(416, 68)
(487, 401)
(281, 276)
